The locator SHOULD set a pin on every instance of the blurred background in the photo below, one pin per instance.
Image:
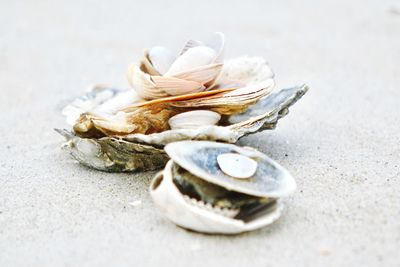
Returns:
(341, 141)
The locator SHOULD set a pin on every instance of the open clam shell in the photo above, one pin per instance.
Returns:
(196, 194)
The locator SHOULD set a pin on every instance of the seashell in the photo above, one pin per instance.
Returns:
(195, 194)
(99, 100)
(143, 84)
(194, 119)
(237, 165)
(160, 58)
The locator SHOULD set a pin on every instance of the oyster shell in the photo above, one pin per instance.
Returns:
(113, 155)
(196, 194)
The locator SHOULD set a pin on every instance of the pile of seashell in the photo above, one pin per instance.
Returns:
(177, 105)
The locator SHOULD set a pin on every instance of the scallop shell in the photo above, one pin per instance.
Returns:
(199, 213)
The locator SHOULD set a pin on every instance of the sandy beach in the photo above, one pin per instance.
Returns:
(341, 142)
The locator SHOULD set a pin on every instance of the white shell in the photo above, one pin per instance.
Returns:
(143, 84)
(237, 165)
(161, 58)
(100, 100)
(173, 204)
(194, 119)
(192, 58)
(202, 74)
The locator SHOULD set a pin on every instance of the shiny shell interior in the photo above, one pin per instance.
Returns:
(200, 158)
(217, 199)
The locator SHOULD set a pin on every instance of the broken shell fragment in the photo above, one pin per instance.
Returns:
(195, 194)
(237, 165)
(194, 119)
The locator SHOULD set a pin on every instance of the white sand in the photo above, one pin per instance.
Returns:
(342, 139)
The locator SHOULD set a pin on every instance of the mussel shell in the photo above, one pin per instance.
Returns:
(200, 158)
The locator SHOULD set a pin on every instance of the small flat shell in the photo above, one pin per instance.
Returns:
(200, 158)
(237, 165)
(194, 119)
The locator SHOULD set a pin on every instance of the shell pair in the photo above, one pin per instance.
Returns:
(211, 187)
